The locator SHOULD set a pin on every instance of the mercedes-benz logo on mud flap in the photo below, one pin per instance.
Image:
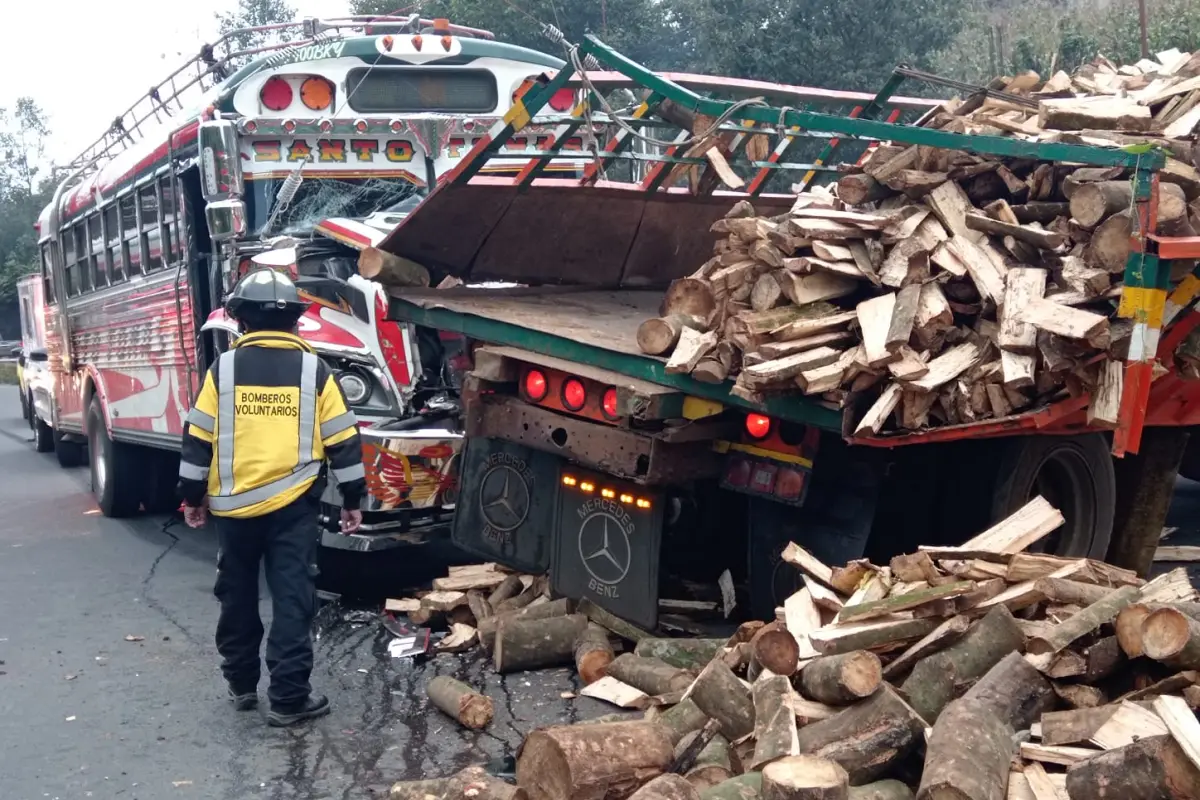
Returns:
(604, 545)
(504, 498)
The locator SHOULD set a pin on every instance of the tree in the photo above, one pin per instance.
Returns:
(251, 14)
(23, 131)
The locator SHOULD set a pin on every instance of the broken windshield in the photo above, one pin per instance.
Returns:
(325, 197)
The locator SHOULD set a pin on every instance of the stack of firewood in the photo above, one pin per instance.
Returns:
(981, 671)
(936, 287)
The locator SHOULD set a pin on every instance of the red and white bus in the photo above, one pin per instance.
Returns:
(313, 150)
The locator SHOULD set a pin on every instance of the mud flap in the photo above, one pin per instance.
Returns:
(834, 524)
(506, 511)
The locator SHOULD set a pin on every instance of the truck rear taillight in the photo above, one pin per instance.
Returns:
(276, 94)
(758, 426)
(535, 385)
(609, 403)
(574, 395)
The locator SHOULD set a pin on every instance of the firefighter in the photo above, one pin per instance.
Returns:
(269, 414)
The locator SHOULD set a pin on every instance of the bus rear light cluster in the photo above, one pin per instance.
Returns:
(278, 93)
(316, 93)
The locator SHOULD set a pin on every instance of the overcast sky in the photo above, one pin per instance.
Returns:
(86, 61)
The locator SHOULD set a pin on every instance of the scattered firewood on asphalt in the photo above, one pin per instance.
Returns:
(470, 708)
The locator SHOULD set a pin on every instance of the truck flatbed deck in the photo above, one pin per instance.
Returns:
(589, 326)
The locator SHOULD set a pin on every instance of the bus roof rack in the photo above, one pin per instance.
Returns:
(187, 84)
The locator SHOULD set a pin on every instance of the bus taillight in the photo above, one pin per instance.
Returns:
(316, 93)
(562, 100)
(276, 94)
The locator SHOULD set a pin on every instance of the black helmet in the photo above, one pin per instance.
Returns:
(266, 294)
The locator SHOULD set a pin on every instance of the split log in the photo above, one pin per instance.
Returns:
(391, 270)
(946, 634)
(609, 760)
(842, 679)
(904, 602)
(871, 635)
(1075, 726)
(721, 695)
(805, 778)
(1074, 114)
(774, 648)
(1092, 203)
(774, 721)
(1046, 240)
(418, 790)
(524, 643)
(968, 754)
(743, 787)
(682, 653)
(1015, 692)
(881, 790)
(509, 588)
(472, 782)
(1102, 611)
(1172, 637)
(608, 620)
(1128, 723)
(487, 628)
(854, 190)
(1103, 659)
(593, 654)
(692, 347)
(931, 685)
(470, 708)
(659, 335)
(712, 765)
(480, 608)
(1042, 212)
(1149, 769)
(904, 313)
(1080, 696)
(875, 319)
(681, 719)
(667, 787)
(1180, 721)
(1072, 593)
(1129, 628)
(650, 675)
(1021, 287)
(1065, 321)
(867, 739)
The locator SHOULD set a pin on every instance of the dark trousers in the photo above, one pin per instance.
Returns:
(286, 542)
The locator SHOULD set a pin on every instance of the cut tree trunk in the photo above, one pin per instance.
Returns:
(510, 587)
(667, 787)
(531, 643)
(682, 719)
(867, 739)
(480, 608)
(1103, 611)
(1155, 768)
(1172, 637)
(854, 190)
(689, 296)
(842, 679)
(418, 790)
(721, 695)
(774, 648)
(743, 787)
(476, 783)
(592, 762)
(712, 766)
(931, 685)
(1015, 692)
(968, 754)
(606, 619)
(1092, 203)
(390, 270)
(487, 628)
(659, 335)
(881, 790)
(649, 674)
(774, 721)
(682, 653)
(471, 709)
(805, 778)
(593, 654)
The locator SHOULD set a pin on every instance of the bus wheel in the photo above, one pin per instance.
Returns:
(113, 471)
(159, 489)
(68, 452)
(43, 434)
(1075, 474)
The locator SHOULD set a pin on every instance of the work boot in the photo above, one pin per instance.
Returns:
(313, 707)
(244, 701)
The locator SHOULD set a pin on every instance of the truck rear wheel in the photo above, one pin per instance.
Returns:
(113, 469)
(1075, 474)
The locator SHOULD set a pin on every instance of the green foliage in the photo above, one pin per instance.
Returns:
(23, 194)
(250, 14)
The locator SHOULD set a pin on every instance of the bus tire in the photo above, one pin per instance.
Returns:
(113, 465)
(1075, 474)
(160, 489)
(69, 453)
(43, 435)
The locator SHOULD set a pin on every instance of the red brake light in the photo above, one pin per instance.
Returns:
(276, 94)
(608, 403)
(535, 385)
(758, 426)
(573, 394)
(562, 100)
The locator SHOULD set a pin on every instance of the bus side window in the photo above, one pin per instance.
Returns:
(112, 245)
(48, 276)
(131, 251)
(151, 235)
(68, 254)
(166, 190)
(98, 263)
(83, 273)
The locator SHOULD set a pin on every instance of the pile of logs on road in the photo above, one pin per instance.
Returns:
(981, 672)
(932, 287)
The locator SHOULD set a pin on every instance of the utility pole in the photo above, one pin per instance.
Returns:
(1142, 25)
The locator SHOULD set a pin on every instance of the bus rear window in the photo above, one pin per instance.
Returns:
(405, 89)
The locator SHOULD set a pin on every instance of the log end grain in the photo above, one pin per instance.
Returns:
(804, 778)
(1165, 634)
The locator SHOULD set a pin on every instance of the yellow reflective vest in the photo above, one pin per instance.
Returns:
(269, 414)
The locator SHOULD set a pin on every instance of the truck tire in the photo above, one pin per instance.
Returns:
(25, 407)
(43, 434)
(68, 452)
(1075, 474)
(1190, 466)
(160, 487)
(113, 469)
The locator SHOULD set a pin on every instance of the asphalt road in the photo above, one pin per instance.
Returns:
(86, 714)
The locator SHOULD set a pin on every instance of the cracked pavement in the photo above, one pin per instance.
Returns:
(86, 714)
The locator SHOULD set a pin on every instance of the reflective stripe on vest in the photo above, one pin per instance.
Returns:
(198, 419)
(190, 472)
(354, 472)
(226, 402)
(338, 424)
(265, 492)
(308, 406)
